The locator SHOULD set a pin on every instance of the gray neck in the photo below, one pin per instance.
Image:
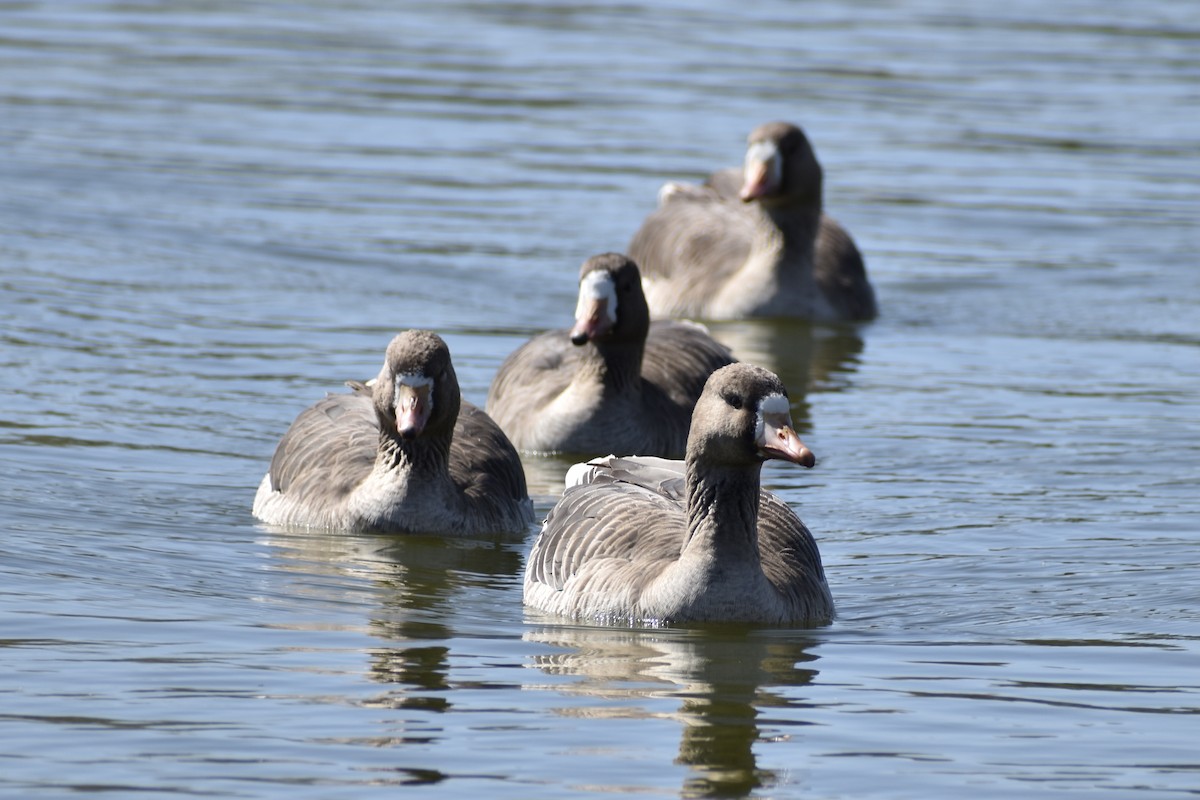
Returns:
(425, 455)
(722, 511)
(797, 224)
(618, 363)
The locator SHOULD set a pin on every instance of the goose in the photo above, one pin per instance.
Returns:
(648, 541)
(404, 454)
(753, 242)
(615, 382)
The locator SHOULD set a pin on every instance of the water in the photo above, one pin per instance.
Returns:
(214, 212)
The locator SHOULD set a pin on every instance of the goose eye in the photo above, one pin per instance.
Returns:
(734, 400)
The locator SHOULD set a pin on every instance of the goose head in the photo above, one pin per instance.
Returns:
(743, 418)
(612, 306)
(780, 167)
(416, 392)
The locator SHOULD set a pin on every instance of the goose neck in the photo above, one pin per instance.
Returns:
(722, 510)
(620, 364)
(425, 455)
(797, 224)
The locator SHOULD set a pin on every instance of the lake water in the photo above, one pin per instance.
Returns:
(214, 212)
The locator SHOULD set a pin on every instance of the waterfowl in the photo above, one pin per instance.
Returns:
(403, 454)
(613, 383)
(753, 242)
(646, 541)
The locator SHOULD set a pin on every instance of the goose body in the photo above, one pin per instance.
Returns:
(615, 382)
(649, 541)
(753, 242)
(405, 454)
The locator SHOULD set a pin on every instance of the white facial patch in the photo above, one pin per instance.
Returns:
(765, 153)
(597, 285)
(413, 382)
(772, 405)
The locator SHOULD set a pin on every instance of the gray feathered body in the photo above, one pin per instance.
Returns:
(551, 396)
(335, 469)
(617, 550)
(705, 253)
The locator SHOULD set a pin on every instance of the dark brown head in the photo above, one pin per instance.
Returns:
(743, 418)
(781, 167)
(417, 391)
(611, 304)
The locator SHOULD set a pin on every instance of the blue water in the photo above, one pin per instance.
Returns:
(214, 213)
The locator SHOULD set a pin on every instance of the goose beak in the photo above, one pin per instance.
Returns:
(413, 407)
(779, 440)
(755, 182)
(592, 320)
(596, 311)
(762, 172)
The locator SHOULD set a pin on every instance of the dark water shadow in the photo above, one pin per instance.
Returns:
(724, 677)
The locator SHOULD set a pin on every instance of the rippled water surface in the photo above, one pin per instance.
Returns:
(214, 212)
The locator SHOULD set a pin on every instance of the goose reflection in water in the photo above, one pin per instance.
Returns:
(408, 582)
(723, 676)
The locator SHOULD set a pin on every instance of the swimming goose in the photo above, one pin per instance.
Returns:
(651, 541)
(753, 242)
(615, 382)
(405, 454)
